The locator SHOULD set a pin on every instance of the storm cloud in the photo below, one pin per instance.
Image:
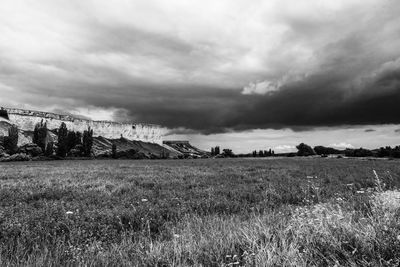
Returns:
(202, 66)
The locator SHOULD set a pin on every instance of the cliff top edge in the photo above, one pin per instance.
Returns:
(44, 114)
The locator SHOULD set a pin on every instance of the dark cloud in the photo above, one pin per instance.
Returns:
(326, 68)
(322, 99)
(369, 130)
(316, 101)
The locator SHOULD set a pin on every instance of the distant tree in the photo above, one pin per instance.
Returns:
(212, 151)
(321, 150)
(62, 133)
(272, 153)
(49, 149)
(114, 151)
(78, 138)
(40, 135)
(11, 141)
(164, 153)
(304, 150)
(35, 138)
(217, 150)
(71, 140)
(261, 154)
(360, 152)
(87, 142)
(228, 152)
(396, 152)
(389, 152)
(385, 152)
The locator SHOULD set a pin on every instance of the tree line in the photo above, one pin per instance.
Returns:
(383, 152)
(69, 143)
(226, 152)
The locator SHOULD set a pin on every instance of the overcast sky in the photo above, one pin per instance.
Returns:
(243, 74)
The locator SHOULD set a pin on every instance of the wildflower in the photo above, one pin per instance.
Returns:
(398, 238)
(144, 200)
(69, 212)
(176, 236)
(360, 192)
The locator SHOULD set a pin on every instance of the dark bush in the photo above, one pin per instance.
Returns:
(321, 150)
(304, 150)
(11, 141)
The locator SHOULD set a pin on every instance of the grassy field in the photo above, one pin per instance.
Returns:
(220, 212)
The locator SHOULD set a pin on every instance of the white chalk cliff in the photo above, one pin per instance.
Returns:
(26, 120)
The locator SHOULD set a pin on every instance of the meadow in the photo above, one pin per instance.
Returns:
(204, 212)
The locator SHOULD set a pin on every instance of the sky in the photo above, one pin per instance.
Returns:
(236, 73)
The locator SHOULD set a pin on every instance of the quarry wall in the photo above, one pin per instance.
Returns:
(27, 119)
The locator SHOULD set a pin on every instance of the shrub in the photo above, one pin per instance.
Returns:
(321, 150)
(304, 150)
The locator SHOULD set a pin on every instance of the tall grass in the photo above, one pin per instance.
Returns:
(201, 213)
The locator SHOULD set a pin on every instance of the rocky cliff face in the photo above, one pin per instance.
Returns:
(26, 121)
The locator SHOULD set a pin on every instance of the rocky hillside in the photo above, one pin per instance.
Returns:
(186, 149)
(102, 147)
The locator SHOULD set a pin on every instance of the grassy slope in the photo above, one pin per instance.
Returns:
(199, 212)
